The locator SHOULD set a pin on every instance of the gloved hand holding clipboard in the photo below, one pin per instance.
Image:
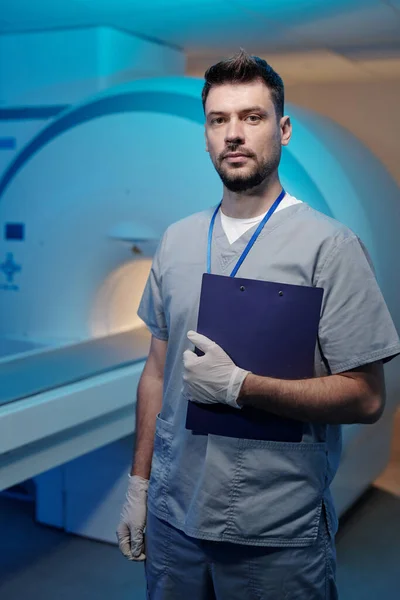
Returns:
(267, 328)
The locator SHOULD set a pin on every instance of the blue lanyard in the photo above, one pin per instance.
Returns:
(253, 237)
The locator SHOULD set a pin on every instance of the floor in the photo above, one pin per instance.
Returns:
(40, 563)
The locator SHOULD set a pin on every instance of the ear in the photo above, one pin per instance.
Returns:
(286, 130)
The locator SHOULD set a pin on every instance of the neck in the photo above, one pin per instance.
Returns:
(251, 203)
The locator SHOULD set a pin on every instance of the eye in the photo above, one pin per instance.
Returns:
(253, 118)
(217, 121)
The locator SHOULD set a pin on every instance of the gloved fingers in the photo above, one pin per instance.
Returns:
(137, 539)
(187, 391)
(124, 543)
(197, 396)
(189, 359)
(137, 544)
(139, 558)
(202, 342)
(142, 555)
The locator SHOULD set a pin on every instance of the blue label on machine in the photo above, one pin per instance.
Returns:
(14, 231)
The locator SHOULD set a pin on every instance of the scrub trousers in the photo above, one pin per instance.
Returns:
(179, 567)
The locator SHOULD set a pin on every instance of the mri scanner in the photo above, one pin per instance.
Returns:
(82, 208)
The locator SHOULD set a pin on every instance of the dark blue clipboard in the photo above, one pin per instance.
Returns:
(267, 328)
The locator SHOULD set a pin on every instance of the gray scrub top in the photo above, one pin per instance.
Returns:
(248, 491)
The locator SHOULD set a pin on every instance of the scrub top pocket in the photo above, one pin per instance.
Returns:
(276, 492)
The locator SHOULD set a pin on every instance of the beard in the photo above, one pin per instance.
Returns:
(242, 179)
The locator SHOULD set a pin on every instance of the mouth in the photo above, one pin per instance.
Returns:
(236, 157)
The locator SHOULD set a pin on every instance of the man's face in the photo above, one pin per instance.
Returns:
(243, 135)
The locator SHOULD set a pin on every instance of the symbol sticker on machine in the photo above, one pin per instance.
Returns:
(9, 267)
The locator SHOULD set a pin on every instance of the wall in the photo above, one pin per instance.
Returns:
(369, 111)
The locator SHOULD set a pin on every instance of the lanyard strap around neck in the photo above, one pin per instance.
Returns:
(253, 237)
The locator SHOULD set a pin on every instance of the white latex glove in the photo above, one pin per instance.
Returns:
(211, 378)
(130, 532)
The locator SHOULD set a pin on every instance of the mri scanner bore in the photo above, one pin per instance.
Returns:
(81, 339)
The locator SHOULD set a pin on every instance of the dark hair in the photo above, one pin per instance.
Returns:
(243, 68)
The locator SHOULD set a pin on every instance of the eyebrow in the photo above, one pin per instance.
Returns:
(250, 109)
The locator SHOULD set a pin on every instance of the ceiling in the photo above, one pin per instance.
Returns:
(324, 38)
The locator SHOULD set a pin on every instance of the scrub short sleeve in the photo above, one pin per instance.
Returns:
(151, 309)
(356, 327)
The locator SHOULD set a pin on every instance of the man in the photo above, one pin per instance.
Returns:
(235, 518)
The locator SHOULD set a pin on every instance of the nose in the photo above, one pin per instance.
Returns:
(234, 133)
